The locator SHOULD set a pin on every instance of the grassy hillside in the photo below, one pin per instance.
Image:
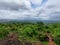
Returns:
(31, 31)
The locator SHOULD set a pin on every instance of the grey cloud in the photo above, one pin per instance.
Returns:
(12, 6)
(55, 16)
(50, 11)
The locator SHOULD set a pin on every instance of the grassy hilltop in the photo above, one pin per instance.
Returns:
(31, 31)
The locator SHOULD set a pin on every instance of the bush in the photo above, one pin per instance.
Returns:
(57, 40)
(43, 37)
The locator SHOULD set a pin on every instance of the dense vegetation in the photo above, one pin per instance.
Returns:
(31, 31)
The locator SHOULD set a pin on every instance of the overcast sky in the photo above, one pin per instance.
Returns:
(30, 9)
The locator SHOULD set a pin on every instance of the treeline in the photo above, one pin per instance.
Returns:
(31, 31)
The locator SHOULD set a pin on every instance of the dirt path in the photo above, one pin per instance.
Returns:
(51, 41)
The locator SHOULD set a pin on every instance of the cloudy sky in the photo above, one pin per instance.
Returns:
(30, 9)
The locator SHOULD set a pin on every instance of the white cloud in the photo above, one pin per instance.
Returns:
(22, 9)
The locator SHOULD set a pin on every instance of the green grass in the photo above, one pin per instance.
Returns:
(45, 43)
(30, 31)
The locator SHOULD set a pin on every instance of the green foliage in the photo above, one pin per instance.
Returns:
(57, 39)
(31, 31)
(42, 37)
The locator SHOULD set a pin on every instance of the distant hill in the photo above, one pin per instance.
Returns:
(29, 21)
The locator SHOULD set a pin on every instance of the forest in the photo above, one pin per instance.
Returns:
(32, 31)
